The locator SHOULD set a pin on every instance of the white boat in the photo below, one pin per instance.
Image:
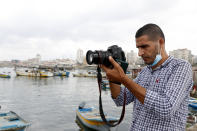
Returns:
(88, 74)
(32, 72)
(46, 73)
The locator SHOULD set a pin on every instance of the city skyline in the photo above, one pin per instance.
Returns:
(80, 55)
(58, 28)
(84, 55)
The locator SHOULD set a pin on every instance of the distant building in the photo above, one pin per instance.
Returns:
(38, 57)
(131, 57)
(15, 61)
(6, 64)
(80, 56)
(84, 61)
(140, 61)
(194, 60)
(182, 54)
(36, 60)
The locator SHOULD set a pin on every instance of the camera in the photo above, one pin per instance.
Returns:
(102, 57)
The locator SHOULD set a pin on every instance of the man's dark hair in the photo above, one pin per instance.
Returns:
(153, 31)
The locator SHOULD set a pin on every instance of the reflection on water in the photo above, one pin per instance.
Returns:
(50, 104)
(81, 126)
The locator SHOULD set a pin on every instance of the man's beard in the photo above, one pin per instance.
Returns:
(153, 57)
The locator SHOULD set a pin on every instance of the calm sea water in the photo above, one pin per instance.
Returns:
(50, 104)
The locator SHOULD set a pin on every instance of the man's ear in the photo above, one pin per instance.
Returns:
(161, 41)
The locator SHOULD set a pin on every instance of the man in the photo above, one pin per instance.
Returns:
(161, 90)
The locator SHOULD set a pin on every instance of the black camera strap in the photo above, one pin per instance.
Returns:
(99, 79)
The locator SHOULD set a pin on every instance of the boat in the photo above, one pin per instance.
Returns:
(85, 74)
(90, 118)
(193, 102)
(10, 121)
(191, 118)
(88, 74)
(62, 73)
(5, 75)
(105, 84)
(46, 73)
(193, 105)
(78, 75)
(58, 71)
(34, 72)
(31, 72)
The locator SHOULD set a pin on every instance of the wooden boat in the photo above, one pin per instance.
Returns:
(46, 73)
(31, 72)
(88, 74)
(34, 72)
(60, 71)
(10, 121)
(85, 74)
(91, 118)
(4, 75)
(62, 74)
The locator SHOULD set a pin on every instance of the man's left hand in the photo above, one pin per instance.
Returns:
(116, 74)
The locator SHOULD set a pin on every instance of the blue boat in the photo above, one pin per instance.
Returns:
(10, 121)
(91, 119)
(62, 73)
(193, 103)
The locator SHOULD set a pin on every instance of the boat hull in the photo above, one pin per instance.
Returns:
(27, 74)
(12, 122)
(193, 103)
(90, 118)
(92, 124)
(62, 74)
(4, 76)
(46, 74)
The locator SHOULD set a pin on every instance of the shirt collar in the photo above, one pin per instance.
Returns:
(162, 65)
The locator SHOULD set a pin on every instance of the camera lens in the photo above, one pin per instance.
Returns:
(92, 57)
(89, 57)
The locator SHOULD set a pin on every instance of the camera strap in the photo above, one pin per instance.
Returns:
(99, 79)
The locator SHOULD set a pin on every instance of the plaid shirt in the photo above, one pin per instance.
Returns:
(166, 102)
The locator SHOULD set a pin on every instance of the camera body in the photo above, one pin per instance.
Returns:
(102, 57)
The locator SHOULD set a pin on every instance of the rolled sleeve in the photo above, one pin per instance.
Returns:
(129, 96)
(120, 98)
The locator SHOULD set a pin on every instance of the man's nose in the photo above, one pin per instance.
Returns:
(140, 52)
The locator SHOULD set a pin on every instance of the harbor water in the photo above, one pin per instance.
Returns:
(50, 104)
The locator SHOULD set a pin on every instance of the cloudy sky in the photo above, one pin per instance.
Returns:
(58, 28)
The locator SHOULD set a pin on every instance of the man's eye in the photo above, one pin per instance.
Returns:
(144, 46)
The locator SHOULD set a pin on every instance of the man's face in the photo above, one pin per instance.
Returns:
(147, 49)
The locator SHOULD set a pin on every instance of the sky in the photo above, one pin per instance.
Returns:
(58, 28)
